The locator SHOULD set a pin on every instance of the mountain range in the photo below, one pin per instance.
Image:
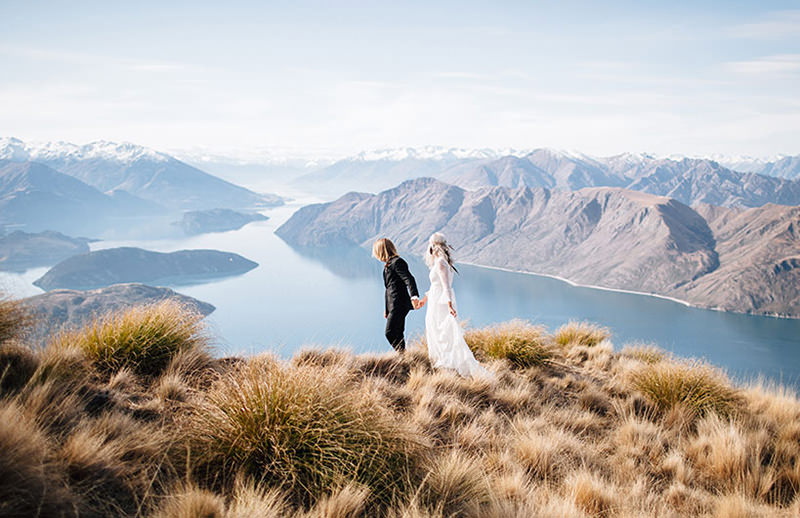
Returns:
(138, 171)
(36, 197)
(782, 167)
(745, 260)
(689, 180)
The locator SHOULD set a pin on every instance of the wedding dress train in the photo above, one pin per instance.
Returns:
(446, 346)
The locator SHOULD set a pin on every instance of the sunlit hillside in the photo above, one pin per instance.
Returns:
(133, 416)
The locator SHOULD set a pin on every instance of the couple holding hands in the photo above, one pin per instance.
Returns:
(444, 336)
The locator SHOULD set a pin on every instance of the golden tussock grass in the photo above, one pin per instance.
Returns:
(580, 333)
(14, 319)
(144, 339)
(304, 428)
(519, 342)
(644, 353)
(133, 417)
(18, 363)
(694, 386)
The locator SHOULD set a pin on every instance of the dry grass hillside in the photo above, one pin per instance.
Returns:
(132, 416)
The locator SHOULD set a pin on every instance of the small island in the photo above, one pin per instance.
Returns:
(215, 220)
(128, 264)
(22, 250)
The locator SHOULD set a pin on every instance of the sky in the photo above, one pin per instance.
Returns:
(314, 79)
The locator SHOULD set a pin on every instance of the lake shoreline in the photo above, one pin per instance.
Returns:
(629, 292)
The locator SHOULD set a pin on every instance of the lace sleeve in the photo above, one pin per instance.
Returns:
(443, 271)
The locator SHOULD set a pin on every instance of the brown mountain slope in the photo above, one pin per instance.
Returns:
(759, 252)
(604, 236)
(734, 259)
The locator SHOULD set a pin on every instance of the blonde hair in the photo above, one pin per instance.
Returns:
(383, 250)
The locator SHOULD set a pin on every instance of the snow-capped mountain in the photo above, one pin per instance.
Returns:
(438, 153)
(781, 166)
(137, 170)
(123, 153)
(690, 180)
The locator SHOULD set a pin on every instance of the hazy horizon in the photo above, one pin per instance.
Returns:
(270, 156)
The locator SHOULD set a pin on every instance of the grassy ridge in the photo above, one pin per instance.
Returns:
(132, 416)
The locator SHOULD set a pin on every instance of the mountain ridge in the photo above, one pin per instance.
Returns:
(40, 198)
(692, 180)
(138, 170)
(601, 236)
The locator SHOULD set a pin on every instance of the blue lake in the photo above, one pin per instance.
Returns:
(299, 298)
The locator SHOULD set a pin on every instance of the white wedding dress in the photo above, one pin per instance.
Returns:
(446, 346)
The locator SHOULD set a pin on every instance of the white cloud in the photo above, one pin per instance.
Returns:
(780, 65)
(99, 60)
(462, 75)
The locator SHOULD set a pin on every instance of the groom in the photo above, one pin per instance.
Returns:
(401, 292)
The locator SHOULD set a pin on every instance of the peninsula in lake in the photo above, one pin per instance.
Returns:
(128, 264)
(215, 220)
(734, 259)
(72, 308)
(22, 250)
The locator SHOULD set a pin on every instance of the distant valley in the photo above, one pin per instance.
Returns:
(744, 260)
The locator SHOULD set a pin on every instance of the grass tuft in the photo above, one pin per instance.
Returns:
(649, 354)
(455, 486)
(143, 339)
(15, 319)
(591, 493)
(521, 343)
(303, 429)
(29, 486)
(192, 502)
(18, 363)
(580, 333)
(693, 386)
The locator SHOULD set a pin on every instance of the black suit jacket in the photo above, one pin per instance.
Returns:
(399, 282)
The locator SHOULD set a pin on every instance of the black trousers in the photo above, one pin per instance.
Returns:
(395, 328)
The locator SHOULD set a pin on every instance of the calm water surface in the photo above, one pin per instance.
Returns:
(297, 298)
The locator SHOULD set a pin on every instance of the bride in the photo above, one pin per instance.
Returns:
(446, 346)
